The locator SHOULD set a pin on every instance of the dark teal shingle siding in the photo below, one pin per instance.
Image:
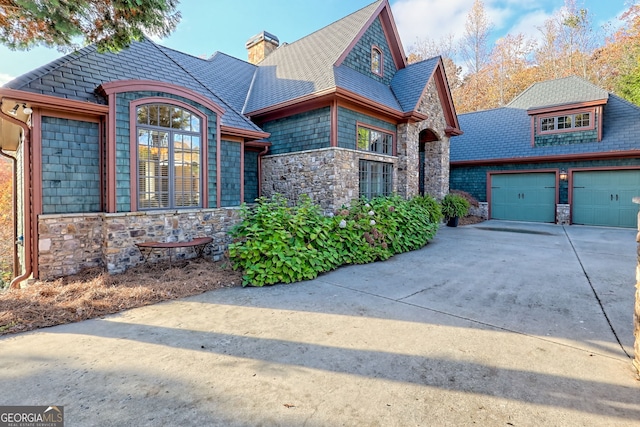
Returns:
(347, 126)
(359, 58)
(70, 166)
(251, 176)
(230, 168)
(305, 131)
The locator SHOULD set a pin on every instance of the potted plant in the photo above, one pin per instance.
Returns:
(454, 207)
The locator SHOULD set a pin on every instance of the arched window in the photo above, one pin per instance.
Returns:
(376, 61)
(169, 157)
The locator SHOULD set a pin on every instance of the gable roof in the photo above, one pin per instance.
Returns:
(551, 93)
(308, 65)
(504, 134)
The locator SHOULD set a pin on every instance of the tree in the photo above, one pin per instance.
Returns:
(426, 48)
(509, 60)
(567, 43)
(474, 46)
(111, 24)
(6, 222)
(617, 63)
(475, 52)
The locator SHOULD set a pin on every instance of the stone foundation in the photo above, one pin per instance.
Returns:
(481, 211)
(563, 214)
(72, 242)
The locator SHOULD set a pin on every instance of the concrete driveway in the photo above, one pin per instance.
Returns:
(496, 324)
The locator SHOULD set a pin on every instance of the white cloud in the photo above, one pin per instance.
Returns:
(433, 19)
(5, 78)
(530, 23)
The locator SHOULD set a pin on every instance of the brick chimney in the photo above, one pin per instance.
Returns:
(260, 46)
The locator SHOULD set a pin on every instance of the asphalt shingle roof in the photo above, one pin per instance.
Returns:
(306, 66)
(568, 90)
(303, 68)
(505, 133)
(77, 75)
(409, 82)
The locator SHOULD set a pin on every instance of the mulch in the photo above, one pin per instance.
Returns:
(95, 293)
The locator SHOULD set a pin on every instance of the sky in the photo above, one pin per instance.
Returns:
(222, 25)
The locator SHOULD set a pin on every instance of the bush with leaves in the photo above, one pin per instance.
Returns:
(279, 243)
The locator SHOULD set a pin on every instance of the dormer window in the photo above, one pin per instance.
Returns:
(567, 122)
(376, 60)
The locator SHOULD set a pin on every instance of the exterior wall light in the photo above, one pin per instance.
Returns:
(26, 110)
(563, 175)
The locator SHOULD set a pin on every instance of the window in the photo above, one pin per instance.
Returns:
(169, 140)
(547, 124)
(567, 122)
(376, 179)
(375, 141)
(582, 120)
(376, 61)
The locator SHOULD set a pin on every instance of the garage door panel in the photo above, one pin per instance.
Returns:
(523, 197)
(605, 198)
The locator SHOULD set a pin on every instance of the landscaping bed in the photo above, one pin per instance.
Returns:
(95, 293)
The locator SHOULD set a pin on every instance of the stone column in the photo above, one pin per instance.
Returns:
(636, 316)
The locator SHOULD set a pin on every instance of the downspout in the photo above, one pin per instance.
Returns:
(15, 283)
(14, 200)
(262, 153)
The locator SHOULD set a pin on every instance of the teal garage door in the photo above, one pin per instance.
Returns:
(604, 198)
(524, 197)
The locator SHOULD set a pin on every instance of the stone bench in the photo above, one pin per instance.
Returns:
(198, 244)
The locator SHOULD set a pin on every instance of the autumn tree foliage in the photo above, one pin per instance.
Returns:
(6, 221)
(484, 76)
(111, 24)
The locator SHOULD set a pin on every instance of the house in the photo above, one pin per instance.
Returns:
(563, 151)
(150, 143)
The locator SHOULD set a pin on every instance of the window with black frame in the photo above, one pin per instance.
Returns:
(376, 179)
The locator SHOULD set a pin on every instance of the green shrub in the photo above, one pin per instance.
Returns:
(454, 205)
(278, 243)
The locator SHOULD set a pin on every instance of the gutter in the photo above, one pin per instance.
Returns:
(262, 153)
(15, 283)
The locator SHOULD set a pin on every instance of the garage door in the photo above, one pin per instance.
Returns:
(524, 197)
(604, 198)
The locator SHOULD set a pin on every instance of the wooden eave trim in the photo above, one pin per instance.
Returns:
(257, 144)
(152, 85)
(391, 32)
(243, 133)
(262, 113)
(325, 99)
(565, 107)
(556, 158)
(446, 100)
(54, 102)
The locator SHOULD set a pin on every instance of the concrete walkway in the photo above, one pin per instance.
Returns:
(495, 324)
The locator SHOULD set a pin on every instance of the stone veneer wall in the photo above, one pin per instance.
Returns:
(481, 211)
(436, 165)
(563, 214)
(72, 242)
(69, 243)
(329, 176)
